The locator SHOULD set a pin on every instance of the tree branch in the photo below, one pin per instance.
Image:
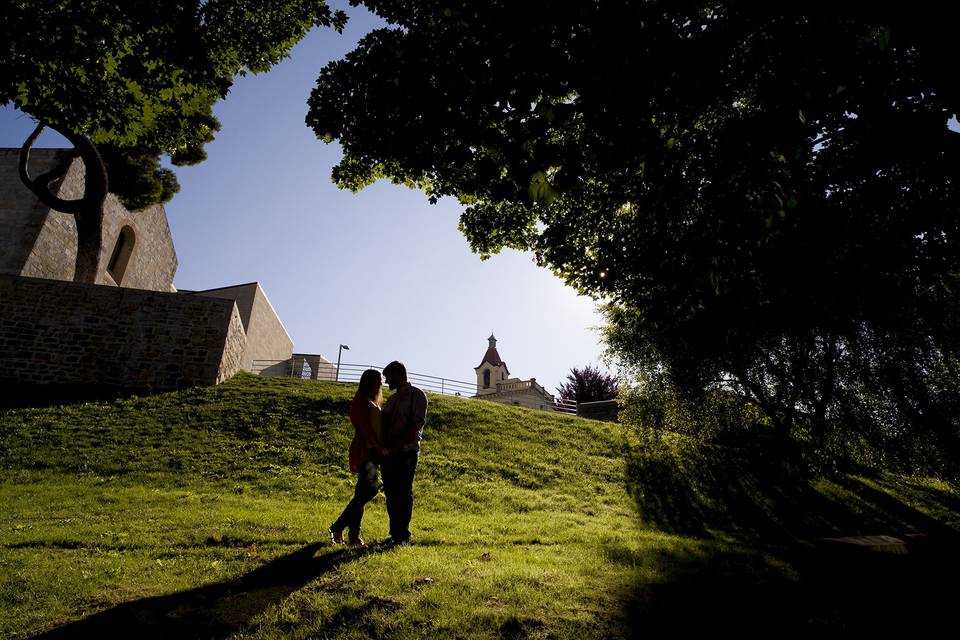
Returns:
(769, 407)
(41, 186)
(95, 186)
(87, 210)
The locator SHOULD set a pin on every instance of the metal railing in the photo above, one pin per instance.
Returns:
(565, 406)
(301, 367)
(308, 367)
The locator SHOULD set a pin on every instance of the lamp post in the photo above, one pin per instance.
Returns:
(339, 351)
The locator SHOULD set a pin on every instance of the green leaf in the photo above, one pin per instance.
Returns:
(22, 98)
(540, 189)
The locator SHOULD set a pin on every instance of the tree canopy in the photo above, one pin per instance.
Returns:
(130, 80)
(766, 196)
(588, 385)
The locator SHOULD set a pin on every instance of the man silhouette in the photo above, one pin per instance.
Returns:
(404, 415)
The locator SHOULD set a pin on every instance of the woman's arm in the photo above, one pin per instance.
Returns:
(376, 426)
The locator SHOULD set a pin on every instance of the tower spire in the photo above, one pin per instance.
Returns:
(493, 341)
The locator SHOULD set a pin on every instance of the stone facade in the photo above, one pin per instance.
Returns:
(59, 333)
(522, 393)
(119, 332)
(22, 216)
(36, 241)
(267, 339)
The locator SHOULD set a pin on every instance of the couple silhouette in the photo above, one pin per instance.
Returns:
(386, 440)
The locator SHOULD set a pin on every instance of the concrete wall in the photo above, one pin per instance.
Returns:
(318, 367)
(267, 339)
(63, 333)
(41, 243)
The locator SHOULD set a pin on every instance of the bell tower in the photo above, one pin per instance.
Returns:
(491, 370)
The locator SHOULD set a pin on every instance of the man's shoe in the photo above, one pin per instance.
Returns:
(336, 535)
(356, 541)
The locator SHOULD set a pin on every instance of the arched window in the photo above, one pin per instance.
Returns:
(486, 378)
(120, 257)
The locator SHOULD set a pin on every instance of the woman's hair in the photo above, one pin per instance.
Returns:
(369, 387)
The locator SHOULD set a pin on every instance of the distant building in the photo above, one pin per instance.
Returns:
(494, 383)
(306, 366)
(130, 330)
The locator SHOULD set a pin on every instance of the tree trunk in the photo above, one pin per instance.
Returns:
(825, 395)
(782, 419)
(87, 266)
(783, 439)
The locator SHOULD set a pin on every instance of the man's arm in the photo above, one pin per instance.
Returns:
(419, 414)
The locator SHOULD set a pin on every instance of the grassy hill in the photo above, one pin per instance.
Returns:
(203, 513)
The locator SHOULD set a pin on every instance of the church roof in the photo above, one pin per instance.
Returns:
(493, 358)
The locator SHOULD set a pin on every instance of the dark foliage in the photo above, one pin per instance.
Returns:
(588, 385)
(767, 195)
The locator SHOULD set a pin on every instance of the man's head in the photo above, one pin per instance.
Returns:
(395, 374)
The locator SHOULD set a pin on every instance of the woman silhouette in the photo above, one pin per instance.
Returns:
(366, 451)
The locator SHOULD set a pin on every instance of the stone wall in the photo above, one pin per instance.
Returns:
(607, 410)
(22, 216)
(234, 346)
(41, 243)
(63, 333)
(267, 339)
(521, 397)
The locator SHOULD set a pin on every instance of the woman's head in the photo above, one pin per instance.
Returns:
(370, 383)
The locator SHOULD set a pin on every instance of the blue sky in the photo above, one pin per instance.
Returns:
(382, 271)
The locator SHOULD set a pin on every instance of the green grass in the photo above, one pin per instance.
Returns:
(203, 514)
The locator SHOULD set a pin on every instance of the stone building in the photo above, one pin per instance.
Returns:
(132, 329)
(494, 383)
(35, 241)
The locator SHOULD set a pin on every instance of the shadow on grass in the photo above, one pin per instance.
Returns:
(800, 592)
(707, 491)
(20, 396)
(761, 562)
(213, 611)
